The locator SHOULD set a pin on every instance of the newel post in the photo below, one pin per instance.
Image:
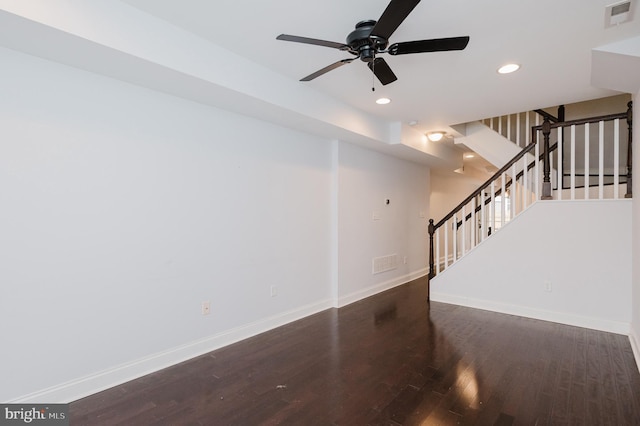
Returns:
(629, 193)
(546, 178)
(432, 270)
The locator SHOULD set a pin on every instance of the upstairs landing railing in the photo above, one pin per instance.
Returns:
(588, 160)
(516, 127)
(589, 153)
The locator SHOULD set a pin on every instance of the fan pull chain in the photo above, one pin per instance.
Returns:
(373, 74)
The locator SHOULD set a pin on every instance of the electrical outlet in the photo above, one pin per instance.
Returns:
(548, 287)
(274, 290)
(404, 260)
(206, 307)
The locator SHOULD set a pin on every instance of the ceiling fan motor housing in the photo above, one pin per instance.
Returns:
(363, 44)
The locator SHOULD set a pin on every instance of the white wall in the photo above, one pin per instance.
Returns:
(448, 190)
(123, 209)
(589, 267)
(595, 107)
(366, 179)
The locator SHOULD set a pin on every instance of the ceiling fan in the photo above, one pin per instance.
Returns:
(371, 38)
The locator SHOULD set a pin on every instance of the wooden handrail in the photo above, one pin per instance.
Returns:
(478, 191)
(518, 176)
(528, 148)
(508, 184)
(583, 121)
(544, 157)
(545, 114)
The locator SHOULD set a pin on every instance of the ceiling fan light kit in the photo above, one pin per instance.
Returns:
(370, 39)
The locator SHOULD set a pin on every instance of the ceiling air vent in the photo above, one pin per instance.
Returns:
(618, 13)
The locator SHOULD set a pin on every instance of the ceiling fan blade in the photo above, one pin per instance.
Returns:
(314, 41)
(327, 69)
(433, 45)
(382, 70)
(396, 12)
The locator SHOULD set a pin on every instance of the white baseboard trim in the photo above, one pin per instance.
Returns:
(93, 383)
(387, 285)
(610, 326)
(634, 339)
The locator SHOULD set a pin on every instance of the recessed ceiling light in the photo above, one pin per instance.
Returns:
(508, 68)
(435, 136)
(469, 156)
(383, 101)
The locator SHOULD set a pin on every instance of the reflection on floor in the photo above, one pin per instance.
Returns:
(391, 359)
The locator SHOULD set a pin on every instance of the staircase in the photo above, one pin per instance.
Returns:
(582, 159)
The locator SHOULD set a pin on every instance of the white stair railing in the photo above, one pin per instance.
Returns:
(515, 127)
(505, 195)
(588, 158)
(578, 159)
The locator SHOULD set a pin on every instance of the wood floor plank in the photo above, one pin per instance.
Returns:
(391, 359)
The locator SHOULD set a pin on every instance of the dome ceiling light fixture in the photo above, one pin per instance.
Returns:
(383, 101)
(435, 136)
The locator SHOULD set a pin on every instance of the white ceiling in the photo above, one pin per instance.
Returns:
(551, 39)
(225, 54)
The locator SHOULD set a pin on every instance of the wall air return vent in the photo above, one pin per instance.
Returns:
(385, 263)
(618, 13)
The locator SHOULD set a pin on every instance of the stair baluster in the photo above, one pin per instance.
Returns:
(513, 184)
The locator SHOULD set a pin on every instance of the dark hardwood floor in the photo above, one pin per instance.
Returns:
(392, 359)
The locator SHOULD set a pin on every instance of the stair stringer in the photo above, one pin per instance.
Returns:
(489, 144)
(587, 265)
